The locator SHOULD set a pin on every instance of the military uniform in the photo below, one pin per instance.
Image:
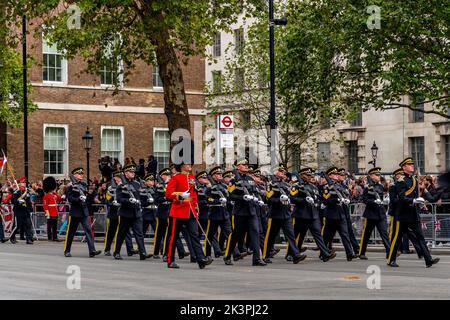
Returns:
(306, 200)
(374, 214)
(334, 215)
(112, 221)
(162, 214)
(280, 218)
(149, 207)
(408, 210)
(22, 209)
(78, 213)
(130, 215)
(244, 219)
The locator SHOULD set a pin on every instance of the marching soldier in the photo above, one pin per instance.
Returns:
(262, 208)
(184, 212)
(346, 193)
(162, 212)
(306, 199)
(79, 213)
(408, 206)
(22, 209)
(242, 191)
(334, 213)
(280, 216)
(130, 215)
(221, 238)
(49, 204)
(218, 215)
(202, 185)
(113, 218)
(148, 203)
(375, 212)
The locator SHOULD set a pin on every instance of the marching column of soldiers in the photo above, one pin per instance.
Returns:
(241, 212)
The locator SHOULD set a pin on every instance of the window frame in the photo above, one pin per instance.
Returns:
(217, 46)
(416, 160)
(157, 88)
(122, 140)
(64, 64)
(155, 129)
(66, 151)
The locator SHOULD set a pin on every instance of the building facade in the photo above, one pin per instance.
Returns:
(129, 124)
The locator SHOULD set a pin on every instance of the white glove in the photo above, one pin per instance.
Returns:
(386, 200)
(223, 200)
(83, 198)
(310, 200)
(346, 201)
(261, 203)
(419, 200)
(63, 197)
(185, 195)
(134, 200)
(378, 201)
(255, 199)
(284, 197)
(115, 203)
(248, 197)
(322, 206)
(151, 200)
(21, 201)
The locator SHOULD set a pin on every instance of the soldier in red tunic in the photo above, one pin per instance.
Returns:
(184, 212)
(50, 204)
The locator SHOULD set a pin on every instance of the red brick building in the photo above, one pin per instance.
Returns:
(130, 124)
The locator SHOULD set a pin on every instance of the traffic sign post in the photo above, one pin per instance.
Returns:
(224, 136)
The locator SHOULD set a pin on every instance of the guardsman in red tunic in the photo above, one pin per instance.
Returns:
(183, 212)
(50, 204)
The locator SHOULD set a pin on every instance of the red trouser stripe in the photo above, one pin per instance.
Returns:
(172, 235)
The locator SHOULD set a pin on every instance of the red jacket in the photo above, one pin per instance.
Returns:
(49, 202)
(181, 208)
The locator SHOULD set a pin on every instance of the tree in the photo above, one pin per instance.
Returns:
(367, 54)
(159, 32)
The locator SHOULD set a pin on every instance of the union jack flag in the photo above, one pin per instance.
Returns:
(424, 226)
(437, 225)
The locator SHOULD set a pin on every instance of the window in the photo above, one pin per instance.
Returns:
(161, 147)
(217, 51)
(112, 142)
(55, 149)
(217, 81)
(239, 40)
(357, 121)
(109, 73)
(246, 119)
(323, 155)
(352, 153)
(447, 153)
(157, 81)
(418, 116)
(417, 148)
(239, 79)
(53, 66)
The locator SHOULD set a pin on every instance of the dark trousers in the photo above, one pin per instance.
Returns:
(175, 226)
(125, 224)
(415, 228)
(211, 230)
(22, 223)
(262, 231)
(72, 229)
(146, 224)
(406, 237)
(351, 233)
(2, 231)
(369, 226)
(52, 228)
(111, 230)
(274, 226)
(241, 225)
(160, 234)
(301, 227)
(329, 229)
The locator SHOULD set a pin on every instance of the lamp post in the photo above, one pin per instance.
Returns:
(87, 140)
(271, 123)
(374, 150)
(25, 96)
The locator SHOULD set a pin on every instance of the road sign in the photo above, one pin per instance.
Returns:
(226, 122)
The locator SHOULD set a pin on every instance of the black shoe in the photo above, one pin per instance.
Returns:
(420, 256)
(3, 240)
(107, 253)
(303, 249)
(244, 254)
(330, 257)
(227, 261)
(173, 265)
(29, 242)
(434, 261)
(259, 263)
(22, 238)
(67, 254)
(217, 255)
(267, 260)
(249, 252)
(156, 257)
(315, 249)
(393, 264)
(363, 257)
(13, 241)
(236, 258)
(208, 260)
(165, 259)
(142, 257)
(289, 258)
(193, 260)
(299, 258)
(118, 256)
(94, 253)
(349, 258)
(130, 254)
(134, 251)
(274, 252)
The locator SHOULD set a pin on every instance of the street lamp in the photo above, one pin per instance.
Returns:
(87, 140)
(271, 123)
(374, 150)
